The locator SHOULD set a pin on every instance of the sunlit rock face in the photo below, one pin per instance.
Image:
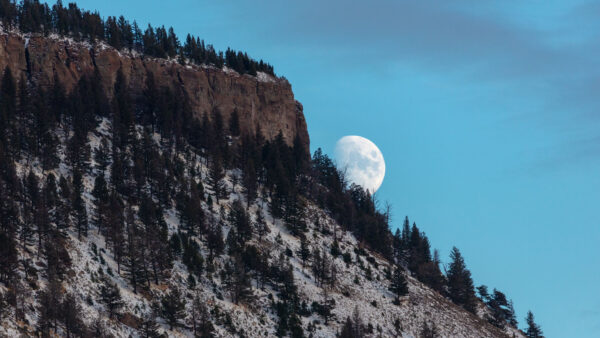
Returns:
(262, 101)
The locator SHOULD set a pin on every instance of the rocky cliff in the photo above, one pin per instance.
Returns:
(262, 101)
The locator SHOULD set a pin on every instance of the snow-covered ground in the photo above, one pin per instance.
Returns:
(91, 261)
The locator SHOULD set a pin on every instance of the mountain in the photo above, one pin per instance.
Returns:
(145, 196)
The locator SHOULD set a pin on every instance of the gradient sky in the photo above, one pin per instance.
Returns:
(487, 114)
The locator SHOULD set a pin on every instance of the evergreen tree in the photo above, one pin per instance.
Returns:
(70, 312)
(8, 253)
(512, 317)
(101, 202)
(191, 256)
(533, 329)
(322, 267)
(304, 251)
(115, 237)
(202, 327)
(237, 281)
(499, 307)
(484, 295)
(216, 175)
(460, 284)
(110, 295)
(249, 181)
(81, 218)
(399, 285)
(102, 156)
(241, 222)
(49, 300)
(214, 240)
(149, 327)
(173, 307)
(134, 258)
(261, 225)
(353, 327)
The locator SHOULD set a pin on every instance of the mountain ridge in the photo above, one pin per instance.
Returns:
(43, 60)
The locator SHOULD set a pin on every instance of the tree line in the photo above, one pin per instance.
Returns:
(31, 16)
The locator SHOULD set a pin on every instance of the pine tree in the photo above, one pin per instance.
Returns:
(115, 237)
(70, 311)
(512, 317)
(460, 284)
(533, 329)
(216, 175)
(173, 307)
(200, 320)
(102, 156)
(98, 328)
(110, 295)
(353, 327)
(8, 253)
(261, 225)
(241, 222)
(483, 293)
(237, 281)
(214, 240)
(399, 285)
(322, 267)
(149, 327)
(81, 218)
(304, 251)
(498, 305)
(49, 307)
(249, 181)
(134, 260)
(191, 256)
(101, 203)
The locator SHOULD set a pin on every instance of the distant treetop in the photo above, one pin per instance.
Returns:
(31, 16)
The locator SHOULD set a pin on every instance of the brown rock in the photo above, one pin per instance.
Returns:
(268, 104)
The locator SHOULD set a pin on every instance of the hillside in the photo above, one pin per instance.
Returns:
(361, 282)
(145, 196)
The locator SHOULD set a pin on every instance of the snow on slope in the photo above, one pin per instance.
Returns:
(354, 290)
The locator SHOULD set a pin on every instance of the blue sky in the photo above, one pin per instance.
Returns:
(487, 114)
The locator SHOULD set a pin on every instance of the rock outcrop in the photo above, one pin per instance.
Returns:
(262, 101)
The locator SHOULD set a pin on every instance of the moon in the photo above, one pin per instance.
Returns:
(362, 161)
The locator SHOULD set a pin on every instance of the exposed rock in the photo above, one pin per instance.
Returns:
(263, 101)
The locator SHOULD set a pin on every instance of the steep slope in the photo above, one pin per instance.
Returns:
(361, 282)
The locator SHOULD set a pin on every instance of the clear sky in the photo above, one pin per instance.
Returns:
(487, 113)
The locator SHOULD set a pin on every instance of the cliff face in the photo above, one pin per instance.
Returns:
(262, 101)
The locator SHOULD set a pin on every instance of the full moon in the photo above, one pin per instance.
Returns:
(362, 161)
